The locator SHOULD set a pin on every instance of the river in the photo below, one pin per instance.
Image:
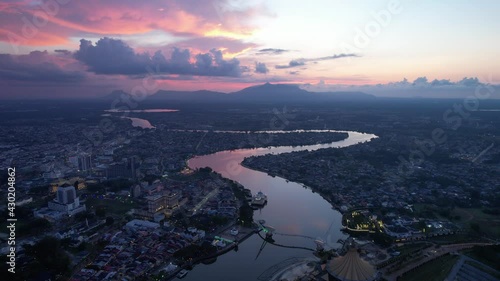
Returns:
(292, 209)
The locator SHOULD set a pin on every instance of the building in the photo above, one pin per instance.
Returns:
(66, 201)
(165, 202)
(85, 163)
(66, 194)
(172, 199)
(156, 203)
(135, 190)
(141, 224)
(123, 169)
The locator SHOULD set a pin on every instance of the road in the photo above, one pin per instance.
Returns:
(202, 202)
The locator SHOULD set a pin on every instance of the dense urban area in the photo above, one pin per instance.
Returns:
(118, 202)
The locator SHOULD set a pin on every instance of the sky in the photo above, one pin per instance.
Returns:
(61, 48)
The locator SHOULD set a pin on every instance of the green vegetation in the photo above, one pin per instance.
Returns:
(453, 238)
(381, 238)
(246, 216)
(200, 174)
(110, 206)
(33, 227)
(407, 252)
(48, 255)
(479, 220)
(487, 255)
(202, 222)
(435, 270)
(110, 220)
(110, 186)
(26, 224)
(484, 269)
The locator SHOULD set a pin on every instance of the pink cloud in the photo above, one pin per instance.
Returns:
(53, 25)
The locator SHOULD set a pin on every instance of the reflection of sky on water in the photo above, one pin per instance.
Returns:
(139, 122)
(159, 110)
(291, 209)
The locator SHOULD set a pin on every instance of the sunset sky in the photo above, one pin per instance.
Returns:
(89, 48)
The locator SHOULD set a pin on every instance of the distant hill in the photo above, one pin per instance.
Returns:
(116, 94)
(288, 92)
(201, 95)
(266, 93)
(271, 93)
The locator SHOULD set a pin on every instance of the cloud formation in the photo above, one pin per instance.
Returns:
(36, 67)
(261, 67)
(37, 23)
(112, 56)
(334, 57)
(302, 61)
(420, 87)
(271, 51)
(293, 63)
(423, 82)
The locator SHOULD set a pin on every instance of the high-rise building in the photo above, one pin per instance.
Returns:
(135, 190)
(85, 162)
(66, 201)
(124, 169)
(66, 194)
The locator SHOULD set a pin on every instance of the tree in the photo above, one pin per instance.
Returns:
(110, 220)
(475, 226)
(49, 254)
(246, 215)
(100, 211)
(34, 226)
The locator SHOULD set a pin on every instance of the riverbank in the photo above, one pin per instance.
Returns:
(299, 215)
(217, 141)
(329, 200)
(243, 235)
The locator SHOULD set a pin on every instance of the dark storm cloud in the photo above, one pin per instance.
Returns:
(37, 67)
(261, 67)
(112, 56)
(301, 62)
(272, 51)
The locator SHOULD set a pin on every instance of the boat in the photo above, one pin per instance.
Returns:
(259, 199)
(182, 274)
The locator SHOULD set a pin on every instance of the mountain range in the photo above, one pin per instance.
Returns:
(266, 93)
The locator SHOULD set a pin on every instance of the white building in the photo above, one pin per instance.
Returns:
(141, 224)
(66, 201)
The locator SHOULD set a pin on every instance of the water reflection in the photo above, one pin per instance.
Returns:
(139, 122)
(158, 110)
(291, 210)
